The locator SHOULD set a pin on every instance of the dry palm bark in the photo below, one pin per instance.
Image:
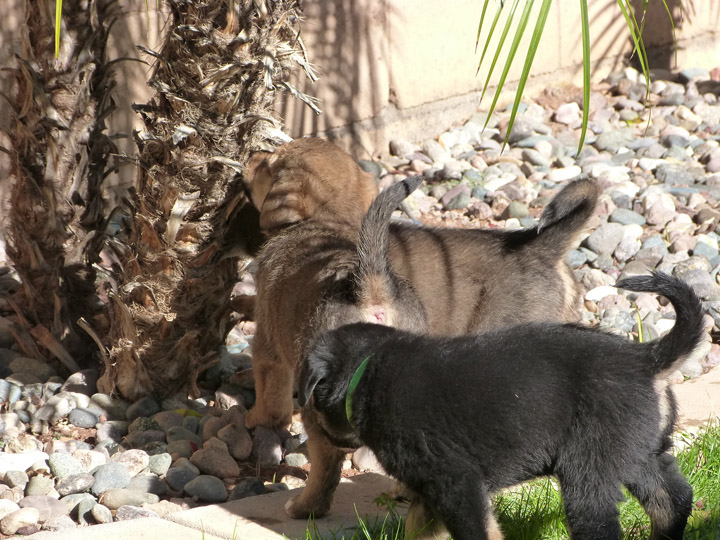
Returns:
(60, 157)
(216, 76)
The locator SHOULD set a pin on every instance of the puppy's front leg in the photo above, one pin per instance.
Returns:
(273, 389)
(326, 465)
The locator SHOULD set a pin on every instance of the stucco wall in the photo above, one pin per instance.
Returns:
(408, 67)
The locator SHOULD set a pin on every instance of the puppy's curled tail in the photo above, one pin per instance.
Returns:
(688, 331)
(563, 217)
(372, 247)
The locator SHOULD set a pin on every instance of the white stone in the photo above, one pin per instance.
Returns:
(598, 293)
(633, 231)
(563, 174)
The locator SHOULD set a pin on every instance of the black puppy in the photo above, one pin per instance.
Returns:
(457, 419)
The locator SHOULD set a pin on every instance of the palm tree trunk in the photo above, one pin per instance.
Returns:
(216, 77)
(59, 160)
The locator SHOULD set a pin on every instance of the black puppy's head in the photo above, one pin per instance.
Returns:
(330, 365)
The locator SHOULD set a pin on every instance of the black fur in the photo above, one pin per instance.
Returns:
(456, 419)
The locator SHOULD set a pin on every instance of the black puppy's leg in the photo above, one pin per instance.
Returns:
(461, 503)
(591, 507)
(666, 496)
(422, 523)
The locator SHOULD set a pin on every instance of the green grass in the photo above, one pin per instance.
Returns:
(535, 510)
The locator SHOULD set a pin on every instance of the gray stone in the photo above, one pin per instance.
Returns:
(133, 460)
(39, 485)
(128, 512)
(145, 406)
(181, 434)
(112, 408)
(168, 419)
(626, 217)
(238, 441)
(82, 382)
(141, 439)
(159, 463)
(16, 479)
(110, 476)
(673, 174)
(296, 459)
(694, 74)
(372, 167)
(84, 511)
(436, 152)
(101, 513)
(575, 258)
(177, 477)
(72, 501)
(113, 430)
(76, 483)
(215, 461)
(114, 498)
(626, 249)
(207, 488)
(700, 280)
(401, 147)
(267, 446)
(515, 209)
(25, 517)
(605, 238)
(62, 465)
(192, 423)
(48, 507)
(59, 523)
(612, 140)
(38, 368)
(247, 487)
(82, 418)
(148, 483)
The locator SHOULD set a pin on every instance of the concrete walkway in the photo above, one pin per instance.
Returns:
(263, 517)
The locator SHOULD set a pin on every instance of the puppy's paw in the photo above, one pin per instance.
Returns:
(270, 419)
(299, 508)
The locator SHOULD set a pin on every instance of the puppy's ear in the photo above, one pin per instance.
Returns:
(313, 371)
(258, 177)
(288, 199)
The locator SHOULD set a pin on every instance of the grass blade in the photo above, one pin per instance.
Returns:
(585, 25)
(58, 21)
(503, 36)
(532, 49)
(482, 18)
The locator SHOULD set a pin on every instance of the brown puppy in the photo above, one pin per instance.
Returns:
(467, 279)
(316, 275)
(308, 178)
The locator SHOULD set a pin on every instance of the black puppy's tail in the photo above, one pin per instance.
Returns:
(565, 215)
(688, 331)
(375, 281)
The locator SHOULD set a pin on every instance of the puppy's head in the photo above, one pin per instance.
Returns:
(308, 179)
(328, 368)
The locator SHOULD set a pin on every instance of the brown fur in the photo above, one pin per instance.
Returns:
(315, 275)
(302, 179)
(467, 279)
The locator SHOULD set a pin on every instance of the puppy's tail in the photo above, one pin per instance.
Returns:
(688, 331)
(376, 283)
(565, 215)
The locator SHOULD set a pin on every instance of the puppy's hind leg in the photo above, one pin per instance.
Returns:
(273, 390)
(325, 467)
(459, 501)
(422, 523)
(591, 506)
(666, 496)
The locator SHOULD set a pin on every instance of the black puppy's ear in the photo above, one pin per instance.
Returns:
(313, 371)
